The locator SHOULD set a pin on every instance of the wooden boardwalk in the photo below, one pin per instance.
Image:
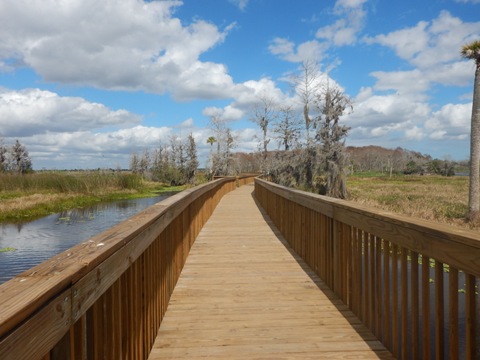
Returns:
(244, 295)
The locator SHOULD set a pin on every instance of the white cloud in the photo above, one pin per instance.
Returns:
(75, 150)
(189, 123)
(404, 82)
(432, 49)
(242, 4)
(452, 121)
(309, 50)
(406, 43)
(387, 116)
(430, 43)
(33, 111)
(132, 45)
(344, 31)
(414, 133)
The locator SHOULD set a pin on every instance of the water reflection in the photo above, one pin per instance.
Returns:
(39, 240)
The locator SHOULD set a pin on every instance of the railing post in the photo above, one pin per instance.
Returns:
(353, 244)
(336, 264)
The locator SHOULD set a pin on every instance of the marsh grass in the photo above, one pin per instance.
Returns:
(88, 182)
(30, 196)
(434, 198)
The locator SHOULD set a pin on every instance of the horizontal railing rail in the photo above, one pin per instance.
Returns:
(413, 283)
(105, 298)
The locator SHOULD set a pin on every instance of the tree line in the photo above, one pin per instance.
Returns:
(175, 163)
(14, 158)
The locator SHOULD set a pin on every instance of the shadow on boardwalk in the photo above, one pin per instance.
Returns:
(244, 294)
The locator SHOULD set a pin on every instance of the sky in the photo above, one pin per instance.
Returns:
(84, 84)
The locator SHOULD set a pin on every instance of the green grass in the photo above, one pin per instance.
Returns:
(7, 249)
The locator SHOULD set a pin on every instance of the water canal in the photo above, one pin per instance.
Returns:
(39, 240)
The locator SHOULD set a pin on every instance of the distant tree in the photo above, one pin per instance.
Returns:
(192, 160)
(3, 157)
(217, 124)
(134, 163)
(412, 168)
(472, 51)
(287, 127)
(263, 114)
(225, 161)
(20, 160)
(144, 163)
(211, 140)
(307, 86)
(331, 135)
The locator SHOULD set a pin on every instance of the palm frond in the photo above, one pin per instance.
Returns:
(471, 51)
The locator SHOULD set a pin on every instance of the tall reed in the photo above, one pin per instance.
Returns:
(85, 182)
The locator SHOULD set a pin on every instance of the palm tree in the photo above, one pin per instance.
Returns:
(210, 141)
(472, 51)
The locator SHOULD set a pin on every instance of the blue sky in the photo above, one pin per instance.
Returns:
(85, 83)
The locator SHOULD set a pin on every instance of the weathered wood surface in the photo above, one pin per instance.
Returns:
(104, 298)
(244, 294)
(373, 261)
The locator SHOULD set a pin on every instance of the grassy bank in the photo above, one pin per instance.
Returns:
(434, 198)
(30, 196)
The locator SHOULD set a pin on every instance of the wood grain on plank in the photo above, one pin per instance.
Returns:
(243, 293)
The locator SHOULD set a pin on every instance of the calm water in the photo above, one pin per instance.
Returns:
(39, 240)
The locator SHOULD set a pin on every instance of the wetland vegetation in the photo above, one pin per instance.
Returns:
(24, 197)
(430, 197)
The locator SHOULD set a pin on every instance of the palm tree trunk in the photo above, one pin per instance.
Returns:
(474, 190)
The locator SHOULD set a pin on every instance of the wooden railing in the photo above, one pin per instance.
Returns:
(414, 283)
(105, 298)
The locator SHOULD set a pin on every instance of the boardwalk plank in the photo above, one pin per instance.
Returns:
(243, 294)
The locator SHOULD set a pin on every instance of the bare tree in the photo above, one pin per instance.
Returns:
(192, 160)
(144, 163)
(287, 127)
(20, 160)
(263, 114)
(3, 157)
(134, 163)
(217, 124)
(307, 85)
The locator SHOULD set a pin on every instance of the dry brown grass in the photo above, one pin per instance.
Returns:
(31, 201)
(433, 198)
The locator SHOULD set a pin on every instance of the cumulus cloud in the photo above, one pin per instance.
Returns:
(430, 43)
(127, 45)
(75, 150)
(452, 121)
(247, 95)
(351, 21)
(403, 82)
(387, 116)
(286, 50)
(344, 31)
(34, 111)
(431, 49)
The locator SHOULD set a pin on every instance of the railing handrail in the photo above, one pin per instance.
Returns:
(462, 247)
(55, 294)
(402, 277)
